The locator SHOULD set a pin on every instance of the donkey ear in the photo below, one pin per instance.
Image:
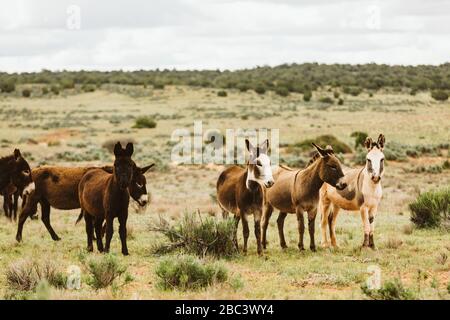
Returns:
(329, 149)
(368, 143)
(145, 169)
(380, 142)
(264, 147)
(118, 149)
(17, 154)
(249, 145)
(129, 149)
(323, 153)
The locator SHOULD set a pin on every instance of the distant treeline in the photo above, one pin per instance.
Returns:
(283, 79)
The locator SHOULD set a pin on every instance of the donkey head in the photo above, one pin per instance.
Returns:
(123, 165)
(138, 187)
(375, 158)
(258, 168)
(330, 170)
(21, 175)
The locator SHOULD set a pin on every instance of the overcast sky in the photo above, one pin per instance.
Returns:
(224, 34)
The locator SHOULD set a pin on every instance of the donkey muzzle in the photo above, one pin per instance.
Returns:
(269, 183)
(341, 185)
(29, 189)
(376, 179)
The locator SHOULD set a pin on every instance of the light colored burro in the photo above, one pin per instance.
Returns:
(240, 191)
(297, 191)
(363, 193)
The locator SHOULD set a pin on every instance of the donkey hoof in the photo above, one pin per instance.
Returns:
(90, 249)
(313, 249)
(125, 252)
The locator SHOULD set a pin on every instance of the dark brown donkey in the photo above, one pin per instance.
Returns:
(57, 187)
(15, 174)
(11, 196)
(241, 191)
(297, 191)
(105, 195)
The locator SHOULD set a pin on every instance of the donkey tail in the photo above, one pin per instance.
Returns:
(80, 217)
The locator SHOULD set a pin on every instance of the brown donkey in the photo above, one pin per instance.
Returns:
(105, 195)
(57, 187)
(15, 177)
(363, 194)
(297, 191)
(241, 191)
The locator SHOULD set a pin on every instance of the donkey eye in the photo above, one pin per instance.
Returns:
(258, 163)
(26, 172)
(139, 185)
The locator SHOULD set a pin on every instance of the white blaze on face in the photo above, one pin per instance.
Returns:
(29, 188)
(375, 163)
(262, 171)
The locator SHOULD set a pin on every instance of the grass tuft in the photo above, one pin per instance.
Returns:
(431, 209)
(188, 273)
(198, 236)
(104, 271)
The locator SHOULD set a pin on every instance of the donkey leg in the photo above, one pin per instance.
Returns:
(257, 216)
(280, 224)
(45, 207)
(372, 213)
(11, 206)
(28, 210)
(109, 231)
(332, 224)
(312, 228)
(301, 228)
(366, 225)
(265, 223)
(89, 231)
(15, 205)
(98, 233)
(324, 209)
(236, 223)
(123, 233)
(245, 231)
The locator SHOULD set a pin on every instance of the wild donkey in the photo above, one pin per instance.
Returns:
(297, 191)
(15, 177)
(57, 187)
(241, 191)
(363, 193)
(105, 196)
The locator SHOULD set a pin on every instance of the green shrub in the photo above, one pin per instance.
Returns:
(158, 86)
(282, 91)
(7, 86)
(188, 273)
(431, 209)
(326, 100)
(260, 89)
(199, 236)
(104, 271)
(338, 146)
(439, 95)
(360, 138)
(341, 101)
(222, 93)
(26, 93)
(336, 94)
(54, 89)
(391, 290)
(45, 90)
(307, 96)
(88, 88)
(25, 275)
(144, 122)
(67, 84)
(354, 91)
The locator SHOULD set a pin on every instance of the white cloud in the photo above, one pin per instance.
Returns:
(193, 34)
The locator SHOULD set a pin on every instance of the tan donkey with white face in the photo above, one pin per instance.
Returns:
(363, 193)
